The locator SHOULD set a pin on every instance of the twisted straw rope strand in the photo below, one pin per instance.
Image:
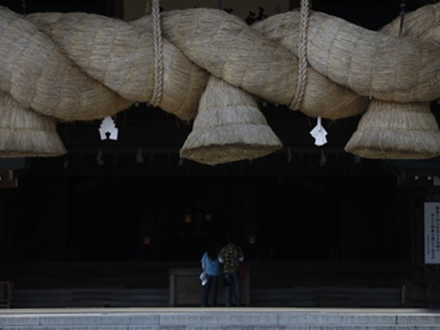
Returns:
(237, 69)
(118, 55)
(39, 75)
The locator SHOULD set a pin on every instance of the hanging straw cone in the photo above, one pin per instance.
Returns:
(228, 127)
(25, 133)
(396, 131)
(401, 131)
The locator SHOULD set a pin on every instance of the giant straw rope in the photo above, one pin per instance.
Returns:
(78, 66)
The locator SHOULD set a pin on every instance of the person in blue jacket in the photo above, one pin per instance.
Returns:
(211, 268)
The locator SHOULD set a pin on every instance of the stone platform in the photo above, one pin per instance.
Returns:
(218, 318)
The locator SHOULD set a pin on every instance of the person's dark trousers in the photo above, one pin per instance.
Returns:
(233, 283)
(210, 289)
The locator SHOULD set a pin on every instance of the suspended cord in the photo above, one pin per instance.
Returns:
(23, 7)
(152, 7)
(148, 7)
(302, 54)
(402, 16)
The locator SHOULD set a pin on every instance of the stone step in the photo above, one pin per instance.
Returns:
(90, 297)
(275, 297)
(219, 318)
(310, 296)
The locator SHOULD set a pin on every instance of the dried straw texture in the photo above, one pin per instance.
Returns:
(24, 132)
(373, 64)
(120, 56)
(81, 66)
(423, 24)
(231, 50)
(229, 127)
(396, 131)
(323, 97)
(419, 135)
(39, 75)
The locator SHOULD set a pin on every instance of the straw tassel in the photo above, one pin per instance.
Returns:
(401, 131)
(228, 127)
(24, 132)
(391, 130)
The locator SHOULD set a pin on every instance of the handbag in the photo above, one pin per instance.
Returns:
(203, 278)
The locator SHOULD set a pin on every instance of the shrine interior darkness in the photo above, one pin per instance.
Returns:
(301, 203)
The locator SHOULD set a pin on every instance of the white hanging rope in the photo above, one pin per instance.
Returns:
(152, 7)
(302, 54)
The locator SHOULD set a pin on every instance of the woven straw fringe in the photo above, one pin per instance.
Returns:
(229, 127)
(25, 133)
(396, 131)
